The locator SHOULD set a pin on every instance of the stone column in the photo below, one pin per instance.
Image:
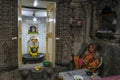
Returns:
(118, 22)
(8, 40)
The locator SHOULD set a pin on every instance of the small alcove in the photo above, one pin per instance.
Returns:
(107, 23)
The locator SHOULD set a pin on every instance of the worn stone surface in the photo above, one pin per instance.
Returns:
(110, 54)
(8, 35)
(70, 29)
(10, 75)
(109, 49)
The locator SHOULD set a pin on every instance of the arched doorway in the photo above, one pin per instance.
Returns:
(39, 15)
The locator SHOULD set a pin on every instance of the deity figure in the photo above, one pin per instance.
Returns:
(33, 46)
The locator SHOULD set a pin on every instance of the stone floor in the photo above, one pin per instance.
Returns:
(47, 73)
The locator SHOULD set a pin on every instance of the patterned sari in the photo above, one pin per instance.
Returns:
(90, 59)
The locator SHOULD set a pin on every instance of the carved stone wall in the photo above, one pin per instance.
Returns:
(63, 33)
(69, 33)
(108, 48)
(8, 34)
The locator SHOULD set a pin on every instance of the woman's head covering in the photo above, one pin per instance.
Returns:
(92, 48)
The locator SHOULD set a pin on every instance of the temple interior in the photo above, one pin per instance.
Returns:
(60, 40)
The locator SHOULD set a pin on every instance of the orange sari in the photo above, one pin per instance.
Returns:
(76, 61)
(90, 61)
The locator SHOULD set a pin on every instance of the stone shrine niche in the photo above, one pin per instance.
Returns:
(33, 34)
(107, 21)
(36, 28)
(33, 55)
(104, 19)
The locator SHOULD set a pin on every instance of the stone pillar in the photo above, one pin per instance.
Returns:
(118, 22)
(8, 34)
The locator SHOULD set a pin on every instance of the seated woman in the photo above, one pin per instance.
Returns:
(90, 59)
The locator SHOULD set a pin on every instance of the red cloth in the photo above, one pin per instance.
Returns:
(116, 77)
